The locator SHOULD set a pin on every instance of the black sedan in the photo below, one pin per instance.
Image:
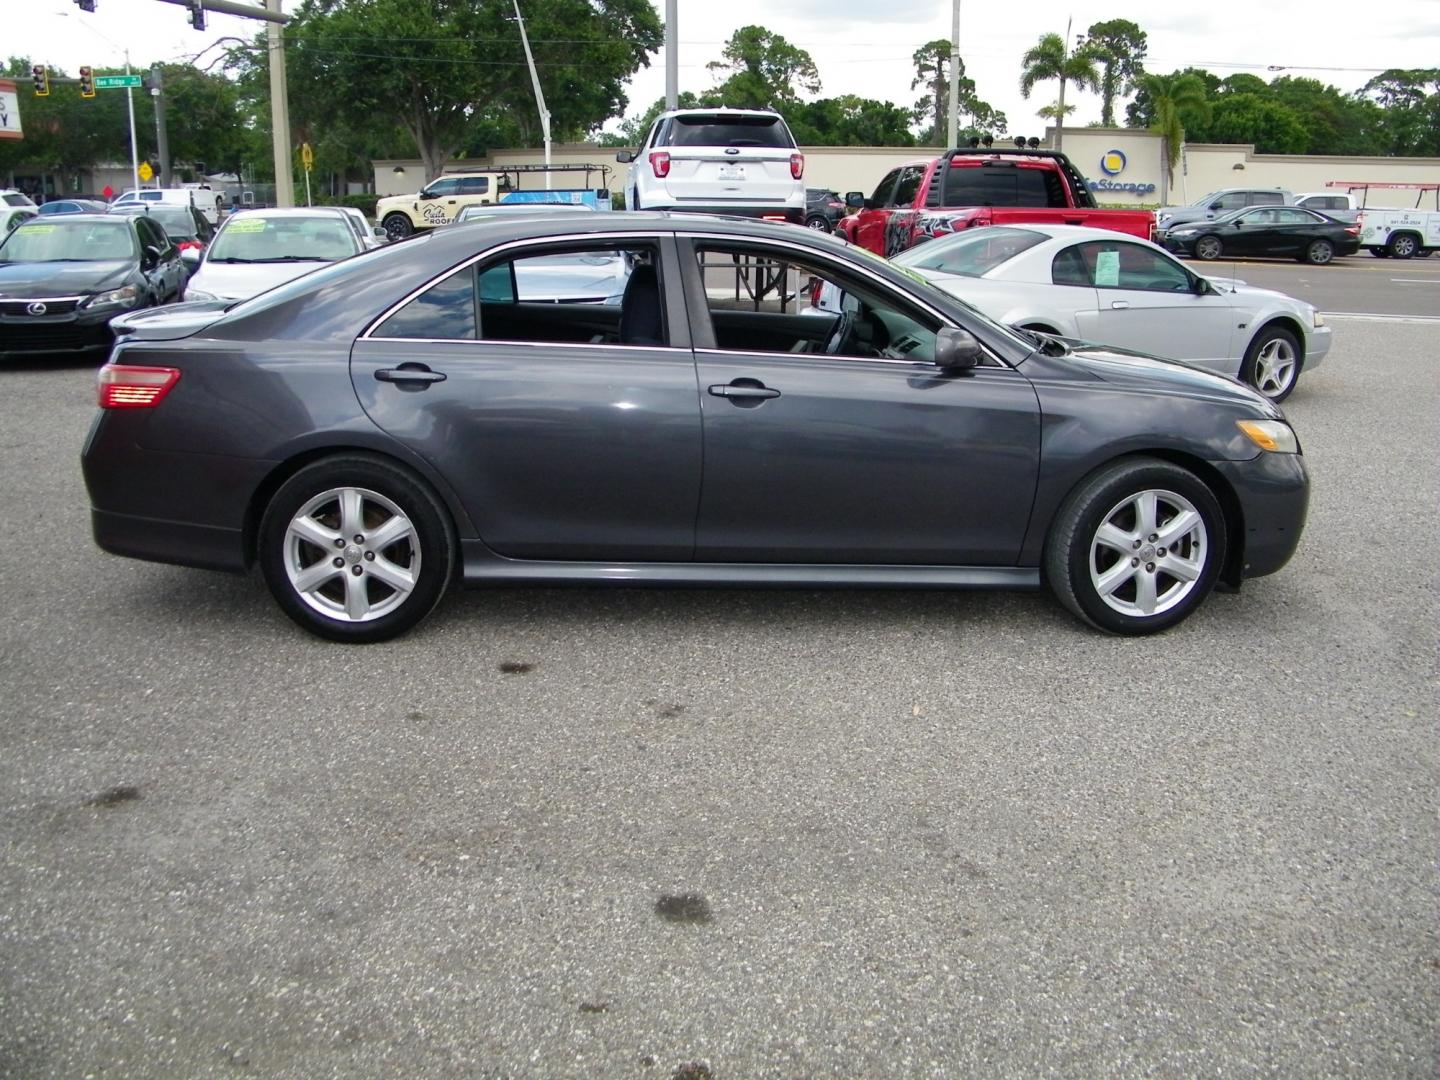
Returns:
(1265, 230)
(376, 429)
(63, 278)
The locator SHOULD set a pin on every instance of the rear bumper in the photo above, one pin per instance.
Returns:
(181, 543)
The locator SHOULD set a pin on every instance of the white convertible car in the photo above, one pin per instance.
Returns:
(1105, 287)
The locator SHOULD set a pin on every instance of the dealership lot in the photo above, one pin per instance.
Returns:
(611, 833)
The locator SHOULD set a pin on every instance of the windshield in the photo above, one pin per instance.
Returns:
(177, 223)
(66, 241)
(971, 254)
(258, 238)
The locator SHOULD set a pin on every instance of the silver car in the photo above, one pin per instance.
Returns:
(1105, 287)
(255, 250)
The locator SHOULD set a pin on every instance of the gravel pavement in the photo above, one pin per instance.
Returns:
(729, 834)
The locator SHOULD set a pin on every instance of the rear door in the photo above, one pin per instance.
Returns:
(728, 157)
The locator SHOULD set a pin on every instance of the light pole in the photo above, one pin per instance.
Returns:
(952, 122)
(539, 96)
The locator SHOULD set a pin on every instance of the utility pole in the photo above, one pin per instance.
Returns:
(162, 133)
(1060, 105)
(130, 105)
(279, 111)
(672, 54)
(539, 97)
(952, 123)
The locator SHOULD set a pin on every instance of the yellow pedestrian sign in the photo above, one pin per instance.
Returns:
(145, 172)
(307, 156)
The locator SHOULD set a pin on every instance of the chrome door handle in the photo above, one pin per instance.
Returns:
(1119, 305)
(409, 374)
(743, 391)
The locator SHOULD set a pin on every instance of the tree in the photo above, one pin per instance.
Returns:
(632, 132)
(1118, 46)
(932, 71)
(1173, 100)
(1050, 59)
(765, 71)
(851, 121)
(1334, 122)
(1411, 103)
(452, 73)
(1273, 128)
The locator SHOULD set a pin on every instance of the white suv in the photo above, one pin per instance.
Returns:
(718, 161)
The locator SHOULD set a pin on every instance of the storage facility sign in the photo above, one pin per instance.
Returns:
(9, 111)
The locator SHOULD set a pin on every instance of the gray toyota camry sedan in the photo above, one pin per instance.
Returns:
(459, 407)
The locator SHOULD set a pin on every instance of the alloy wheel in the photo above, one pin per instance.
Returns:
(1274, 367)
(1148, 553)
(352, 554)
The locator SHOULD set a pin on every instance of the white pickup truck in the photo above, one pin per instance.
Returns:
(1400, 234)
(1340, 205)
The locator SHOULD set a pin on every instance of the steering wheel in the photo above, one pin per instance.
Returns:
(840, 333)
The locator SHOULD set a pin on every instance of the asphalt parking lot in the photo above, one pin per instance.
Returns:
(582, 833)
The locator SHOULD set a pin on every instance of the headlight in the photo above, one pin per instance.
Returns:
(1316, 319)
(122, 296)
(1275, 436)
(199, 294)
(1163, 218)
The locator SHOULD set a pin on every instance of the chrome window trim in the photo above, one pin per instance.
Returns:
(800, 358)
(535, 344)
(487, 253)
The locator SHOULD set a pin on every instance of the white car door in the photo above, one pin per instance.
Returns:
(1146, 301)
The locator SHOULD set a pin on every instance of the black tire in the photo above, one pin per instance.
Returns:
(1379, 252)
(397, 226)
(819, 223)
(1320, 253)
(1262, 360)
(1424, 253)
(425, 551)
(1208, 248)
(1403, 246)
(1076, 558)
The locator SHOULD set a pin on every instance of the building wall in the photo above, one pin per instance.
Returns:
(1124, 166)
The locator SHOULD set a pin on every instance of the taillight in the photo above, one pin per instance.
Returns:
(189, 245)
(797, 165)
(127, 386)
(1353, 230)
(660, 162)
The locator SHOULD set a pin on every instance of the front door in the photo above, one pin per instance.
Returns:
(833, 438)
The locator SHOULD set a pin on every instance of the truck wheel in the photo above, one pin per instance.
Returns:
(397, 226)
(1208, 248)
(1403, 246)
(1319, 253)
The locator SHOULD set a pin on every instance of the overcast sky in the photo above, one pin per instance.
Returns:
(856, 53)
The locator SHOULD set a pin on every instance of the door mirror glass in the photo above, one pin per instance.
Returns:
(625, 157)
(956, 349)
(855, 200)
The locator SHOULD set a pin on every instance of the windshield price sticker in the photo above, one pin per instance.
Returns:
(1107, 268)
(247, 225)
(31, 230)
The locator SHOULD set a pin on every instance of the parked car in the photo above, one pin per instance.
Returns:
(71, 206)
(378, 429)
(514, 210)
(725, 161)
(1265, 230)
(1340, 205)
(11, 217)
(255, 250)
(1216, 203)
(1400, 234)
(202, 199)
(12, 197)
(62, 279)
(1093, 285)
(968, 188)
(823, 209)
(187, 227)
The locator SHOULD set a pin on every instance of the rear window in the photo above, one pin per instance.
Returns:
(717, 130)
(1003, 185)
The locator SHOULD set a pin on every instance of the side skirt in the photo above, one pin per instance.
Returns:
(483, 567)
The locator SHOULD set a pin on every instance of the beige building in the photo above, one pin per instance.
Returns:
(1124, 166)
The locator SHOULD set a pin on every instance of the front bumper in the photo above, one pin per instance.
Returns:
(1273, 491)
(77, 334)
(1317, 347)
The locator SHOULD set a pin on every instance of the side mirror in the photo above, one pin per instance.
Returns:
(152, 255)
(1201, 287)
(379, 233)
(427, 195)
(1214, 206)
(190, 257)
(855, 200)
(625, 157)
(956, 349)
(1237, 223)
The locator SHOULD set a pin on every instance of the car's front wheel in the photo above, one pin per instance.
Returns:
(397, 226)
(1136, 547)
(1208, 248)
(356, 549)
(1320, 252)
(1272, 363)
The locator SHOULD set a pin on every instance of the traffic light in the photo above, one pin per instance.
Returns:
(87, 82)
(42, 80)
(197, 14)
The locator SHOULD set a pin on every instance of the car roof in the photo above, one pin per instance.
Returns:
(719, 110)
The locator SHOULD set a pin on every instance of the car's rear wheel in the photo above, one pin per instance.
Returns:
(1320, 252)
(1272, 363)
(1208, 248)
(397, 226)
(1403, 246)
(818, 223)
(1136, 547)
(356, 549)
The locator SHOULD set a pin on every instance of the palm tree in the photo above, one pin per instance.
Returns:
(1173, 99)
(1118, 47)
(1052, 59)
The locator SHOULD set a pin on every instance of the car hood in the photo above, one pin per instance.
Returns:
(1152, 374)
(23, 280)
(1182, 215)
(240, 281)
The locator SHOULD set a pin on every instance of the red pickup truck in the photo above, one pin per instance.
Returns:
(963, 189)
